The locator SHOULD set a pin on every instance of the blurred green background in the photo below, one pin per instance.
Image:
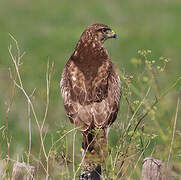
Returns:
(48, 30)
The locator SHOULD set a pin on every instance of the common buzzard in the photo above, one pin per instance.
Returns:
(90, 85)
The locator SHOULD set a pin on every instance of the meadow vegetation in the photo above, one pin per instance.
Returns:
(33, 125)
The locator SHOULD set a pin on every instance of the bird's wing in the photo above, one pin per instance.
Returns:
(114, 94)
(72, 92)
(105, 111)
(104, 105)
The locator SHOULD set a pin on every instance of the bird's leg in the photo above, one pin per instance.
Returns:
(91, 170)
(94, 153)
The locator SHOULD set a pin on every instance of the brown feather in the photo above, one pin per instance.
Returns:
(90, 85)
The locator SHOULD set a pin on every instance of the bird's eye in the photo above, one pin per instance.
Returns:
(104, 30)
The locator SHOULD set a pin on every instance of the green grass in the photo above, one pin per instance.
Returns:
(49, 31)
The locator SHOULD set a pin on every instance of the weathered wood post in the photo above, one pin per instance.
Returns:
(154, 169)
(23, 171)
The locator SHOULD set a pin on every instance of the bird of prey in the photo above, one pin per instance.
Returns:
(90, 85)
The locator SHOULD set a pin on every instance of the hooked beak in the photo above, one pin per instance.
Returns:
(111, 34)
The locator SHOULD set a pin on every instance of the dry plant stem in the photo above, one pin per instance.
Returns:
(48, 80)
(158, 99)
(58, 140)
(125, 159)
(148, 143)
(29, 130)
(156, 102)
(127, 116)
(129, 125)
(19, 84)
(145, 114)
(135, 112)
(7, 132)
(73, 158)
(7, 113)
(13, 92)
(151, 107)
(174, 128)
(139, 121)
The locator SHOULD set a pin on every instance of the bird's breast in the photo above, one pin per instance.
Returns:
(89, 82)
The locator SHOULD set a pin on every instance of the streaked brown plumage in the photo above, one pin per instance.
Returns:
(90, 85)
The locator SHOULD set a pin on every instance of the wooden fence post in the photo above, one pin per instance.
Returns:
(22, 171)
(154, 169)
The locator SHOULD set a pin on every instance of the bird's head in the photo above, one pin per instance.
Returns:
(98, 32)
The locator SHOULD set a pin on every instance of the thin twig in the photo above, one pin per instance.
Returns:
(142, 102)
(156, 102)
(10, 104)
(73, 156)
(142, 153)
(17, 63)
(174, 128)
(29, 130)
(48, 80)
